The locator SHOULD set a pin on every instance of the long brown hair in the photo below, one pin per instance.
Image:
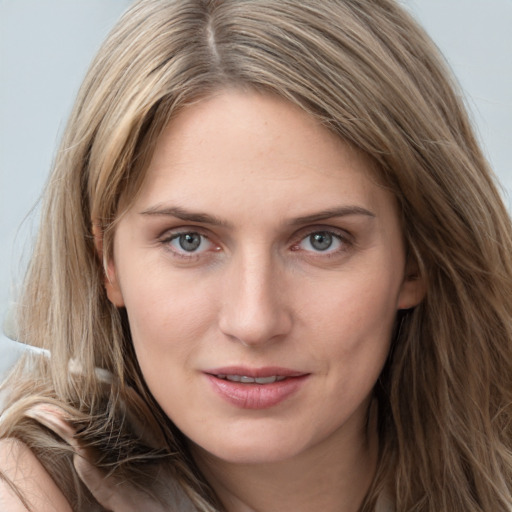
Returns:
(370, 74)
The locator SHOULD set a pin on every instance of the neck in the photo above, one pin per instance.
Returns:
(333, 476)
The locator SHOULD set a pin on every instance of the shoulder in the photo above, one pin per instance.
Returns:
(21, 470)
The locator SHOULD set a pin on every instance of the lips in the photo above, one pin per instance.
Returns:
(267, 371)
(255, 388)
(244, 379)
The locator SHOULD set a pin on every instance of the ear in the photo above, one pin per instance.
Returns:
(110, 282)
(413, 287)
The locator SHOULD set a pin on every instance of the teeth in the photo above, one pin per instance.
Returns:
(265, 380)
(251, 380)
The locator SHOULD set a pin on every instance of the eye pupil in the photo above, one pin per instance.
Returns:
(190, 241)
(321, 241)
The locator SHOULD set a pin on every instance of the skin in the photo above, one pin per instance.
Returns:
(23, 469)
(20, 467)
(258, 293)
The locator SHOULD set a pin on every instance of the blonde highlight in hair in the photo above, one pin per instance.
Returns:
(368, 73)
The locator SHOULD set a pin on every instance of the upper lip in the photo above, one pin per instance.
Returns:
(267, 371)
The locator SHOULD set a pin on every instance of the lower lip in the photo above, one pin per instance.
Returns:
(256, 396)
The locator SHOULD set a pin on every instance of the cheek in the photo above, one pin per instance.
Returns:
(167, 324)
(361, 303)
(350, 326)
(167, 317)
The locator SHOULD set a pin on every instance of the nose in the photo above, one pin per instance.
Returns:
(255, 308)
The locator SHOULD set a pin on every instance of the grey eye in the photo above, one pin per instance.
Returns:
(189, 242)
(321, 241)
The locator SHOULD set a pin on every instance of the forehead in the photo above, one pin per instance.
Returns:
(240, 146)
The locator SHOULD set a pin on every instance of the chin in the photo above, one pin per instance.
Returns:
(250, 449)
(252, 455)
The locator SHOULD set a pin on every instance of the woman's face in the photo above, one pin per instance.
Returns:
(260, 247)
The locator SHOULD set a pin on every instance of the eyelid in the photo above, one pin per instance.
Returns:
(172, 234)
(344, 237)
(309, 230)
(170, 231)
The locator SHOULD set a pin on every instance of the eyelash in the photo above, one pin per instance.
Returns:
(341, 237)
(169, 238)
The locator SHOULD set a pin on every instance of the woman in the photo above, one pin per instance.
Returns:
(272, 272)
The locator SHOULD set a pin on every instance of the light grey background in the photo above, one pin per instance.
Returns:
(46, 45)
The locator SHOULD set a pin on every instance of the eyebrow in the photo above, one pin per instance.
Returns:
(181, 213)
(205, 218)
(332, 213)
